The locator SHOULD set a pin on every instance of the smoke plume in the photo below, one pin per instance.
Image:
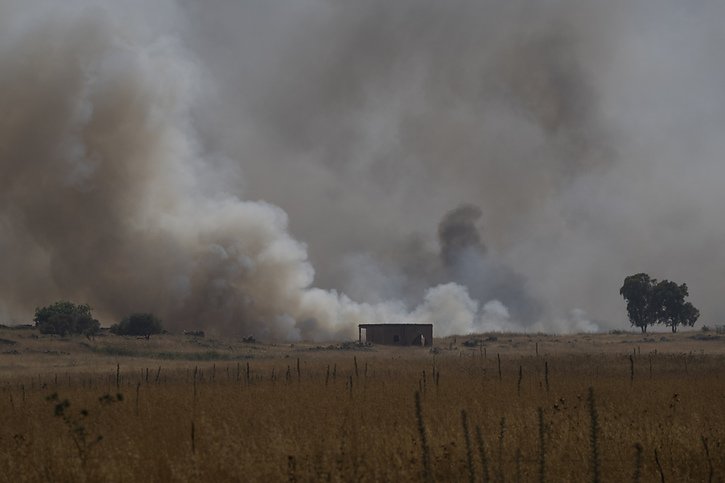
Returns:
(290, 169)
(458, 235)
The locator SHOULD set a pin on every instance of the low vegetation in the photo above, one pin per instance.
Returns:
(138, 324)
(64, 318)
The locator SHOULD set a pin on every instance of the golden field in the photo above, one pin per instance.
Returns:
(213, 409)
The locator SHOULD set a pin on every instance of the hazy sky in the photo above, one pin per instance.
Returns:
(292, 168)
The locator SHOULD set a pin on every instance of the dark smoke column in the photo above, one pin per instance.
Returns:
(457, 234)
(466, 261)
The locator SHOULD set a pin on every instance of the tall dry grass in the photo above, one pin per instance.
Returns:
(296, 420)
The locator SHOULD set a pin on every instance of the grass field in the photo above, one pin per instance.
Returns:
(605, 407)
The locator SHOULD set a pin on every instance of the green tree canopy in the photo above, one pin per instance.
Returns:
(138, 324)
(63, 318)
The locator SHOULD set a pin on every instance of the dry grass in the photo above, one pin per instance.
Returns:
(332, 425)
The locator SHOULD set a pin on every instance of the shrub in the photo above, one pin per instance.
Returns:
(63, 318)
(138, 324)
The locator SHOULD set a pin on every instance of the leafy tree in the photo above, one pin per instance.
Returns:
(138, 324)
(637, 292)
(651, 302)
(63, 318)
(670, 306)
(689, 314)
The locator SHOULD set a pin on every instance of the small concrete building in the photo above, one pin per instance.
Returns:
(396, 334)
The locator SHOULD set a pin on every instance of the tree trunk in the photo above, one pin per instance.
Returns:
(674, 329)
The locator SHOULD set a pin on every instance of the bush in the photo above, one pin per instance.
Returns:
(138, 324)
(63, 318)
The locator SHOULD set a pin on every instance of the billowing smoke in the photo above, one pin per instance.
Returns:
(459, 237)
(198, 159)
(103, 185)
(467, 262)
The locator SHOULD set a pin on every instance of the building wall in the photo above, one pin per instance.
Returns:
(399, 334)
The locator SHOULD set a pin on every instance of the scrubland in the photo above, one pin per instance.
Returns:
(577, 408)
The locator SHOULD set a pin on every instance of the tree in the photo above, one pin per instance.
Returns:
(670, 306)
(689, 314)
(138, 324)
(63, 318)
(637, 292)
(651, 302)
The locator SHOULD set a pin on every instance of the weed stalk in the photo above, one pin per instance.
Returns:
(425, 449)
(482, 455)
(469, 452)
(711, 471)
(501, 441)
(594, 436)
(542, 447)
(659, 466)
(637, 463)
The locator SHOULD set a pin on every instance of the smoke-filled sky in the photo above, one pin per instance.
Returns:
(291, 168)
